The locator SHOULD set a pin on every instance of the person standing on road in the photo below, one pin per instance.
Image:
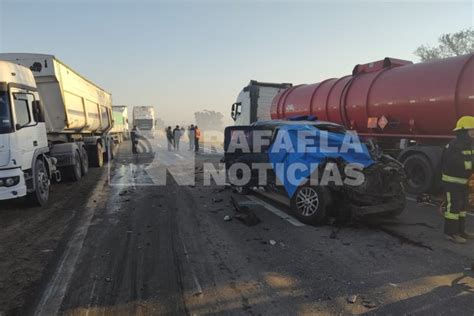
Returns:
(134, 139)
(191, 137)
(169, 137)
(457, 168)
(176, 137)
(197, 137)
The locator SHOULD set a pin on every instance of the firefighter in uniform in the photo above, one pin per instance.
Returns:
(457, 168)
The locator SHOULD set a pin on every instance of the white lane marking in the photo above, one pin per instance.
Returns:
(53, 296)
(276, 211)
(411, 199)
(196, 281)
(91, 296)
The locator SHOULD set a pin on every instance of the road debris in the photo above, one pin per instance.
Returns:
(368, 304)
(272, 242)
(227, 218)
(352, 299)
(244, 213)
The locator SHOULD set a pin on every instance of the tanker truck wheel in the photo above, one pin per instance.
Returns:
(420, 174)
(96, 156)
(41, 181)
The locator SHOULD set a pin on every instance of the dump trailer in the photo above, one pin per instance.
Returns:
(409, 109)
(120, 129)
(54, 123)
(144, 120)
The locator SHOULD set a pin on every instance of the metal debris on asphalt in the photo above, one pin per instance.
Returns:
(352, 299)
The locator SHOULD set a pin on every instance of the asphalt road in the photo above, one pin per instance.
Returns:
(125, 241)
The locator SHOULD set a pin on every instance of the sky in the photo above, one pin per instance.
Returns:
(186, 56)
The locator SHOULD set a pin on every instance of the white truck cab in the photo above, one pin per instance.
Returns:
(254, 102)
(23, 138)
(53, 122)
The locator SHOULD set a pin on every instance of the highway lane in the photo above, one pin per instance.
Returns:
(140, 247)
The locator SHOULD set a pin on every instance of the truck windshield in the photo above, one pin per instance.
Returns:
(5, 117)
(144, 124)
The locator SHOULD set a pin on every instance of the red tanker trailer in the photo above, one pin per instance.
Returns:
(409, 109)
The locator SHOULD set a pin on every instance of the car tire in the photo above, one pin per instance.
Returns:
(42, 183)
(420, 175)
(309, 204)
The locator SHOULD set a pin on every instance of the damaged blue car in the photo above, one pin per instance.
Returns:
(319, 168)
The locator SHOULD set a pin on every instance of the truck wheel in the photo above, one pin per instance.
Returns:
(75, 171)
(97, 156)
(84, 161)
(420, 174)
(108, 158)
(309, 204)
(41, 181)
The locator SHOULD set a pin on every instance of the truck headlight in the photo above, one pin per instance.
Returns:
(9, 182)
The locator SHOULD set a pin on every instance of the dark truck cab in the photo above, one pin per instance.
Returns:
(380, 193)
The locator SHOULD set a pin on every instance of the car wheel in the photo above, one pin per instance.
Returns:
(309, 204)
(42, 183)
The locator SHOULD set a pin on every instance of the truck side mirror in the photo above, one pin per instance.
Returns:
(232, 113)
(236, 110)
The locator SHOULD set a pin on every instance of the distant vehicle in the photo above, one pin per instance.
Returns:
(120, 129)
(53, 122)
(144, 120)
(409, 109)
(381, 192)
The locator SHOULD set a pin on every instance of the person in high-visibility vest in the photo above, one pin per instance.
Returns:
(197, 137)
(457, 168)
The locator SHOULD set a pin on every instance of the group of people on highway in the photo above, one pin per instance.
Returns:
(174, 137)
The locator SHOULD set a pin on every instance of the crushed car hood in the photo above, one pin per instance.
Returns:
(288, 155)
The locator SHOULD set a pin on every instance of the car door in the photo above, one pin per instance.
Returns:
(244, 145)
(26, 139)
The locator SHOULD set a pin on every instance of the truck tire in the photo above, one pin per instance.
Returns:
(96, 156)
(420, 174)
(309, 204)
(84, 161)
(75, 171)
(109, 154)
(42, 183)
